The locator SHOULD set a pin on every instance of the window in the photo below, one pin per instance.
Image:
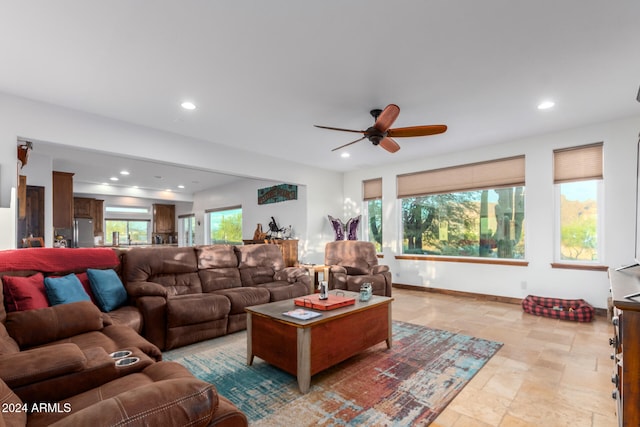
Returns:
(133, 232)
(578, 182)
(187, 230)
(224, 225)
(372, 226)
(474, 210)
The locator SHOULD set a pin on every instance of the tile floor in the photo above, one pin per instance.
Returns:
(548, 373)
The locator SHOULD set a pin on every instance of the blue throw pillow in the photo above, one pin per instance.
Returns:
(107, 288)
(65, 289)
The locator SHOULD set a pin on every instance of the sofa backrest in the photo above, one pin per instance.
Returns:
(52, 262)
(218, 267)
(356, 254)
(175, 268)
(258, 263)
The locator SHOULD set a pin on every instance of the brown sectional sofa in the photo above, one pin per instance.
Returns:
(163, 394)
(61, 355)
(189, 294)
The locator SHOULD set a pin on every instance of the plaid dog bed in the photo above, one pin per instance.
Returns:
(566, 309)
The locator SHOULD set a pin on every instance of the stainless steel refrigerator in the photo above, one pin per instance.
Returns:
(83, 233)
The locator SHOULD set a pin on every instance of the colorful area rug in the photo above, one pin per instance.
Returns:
(407, 385)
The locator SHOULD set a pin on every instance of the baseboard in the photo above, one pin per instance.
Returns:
(482, 297)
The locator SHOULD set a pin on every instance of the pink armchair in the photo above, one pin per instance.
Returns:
(350, 263)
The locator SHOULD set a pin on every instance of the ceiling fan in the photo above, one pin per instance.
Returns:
(381, 134)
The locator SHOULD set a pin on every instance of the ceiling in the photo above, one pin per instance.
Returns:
(263, 73)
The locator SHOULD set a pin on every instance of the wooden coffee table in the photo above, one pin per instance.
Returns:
(305, 347)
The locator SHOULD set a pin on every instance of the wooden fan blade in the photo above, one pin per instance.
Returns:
(387, 117)
(389, 144)
(417, 131)
(344, 130)
(352, 142)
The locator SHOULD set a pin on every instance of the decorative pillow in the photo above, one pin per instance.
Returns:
(352, 228)
(107, 289)
(24, 293)
(338, 227)
(65, 289)
(86, 285)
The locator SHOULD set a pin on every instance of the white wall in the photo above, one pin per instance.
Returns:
(295, 213)
(39, 121)
(538, 278)
(327, 192)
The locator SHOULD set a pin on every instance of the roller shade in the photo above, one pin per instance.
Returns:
(508, 172)
(577, 163)
(372, 189)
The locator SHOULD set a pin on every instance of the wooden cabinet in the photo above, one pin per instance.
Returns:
(626, 344)
(83, 207)
(98, 217)
(164, 218)
(289, 249)
(62, 200)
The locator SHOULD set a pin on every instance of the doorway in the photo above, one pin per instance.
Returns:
(32, 223)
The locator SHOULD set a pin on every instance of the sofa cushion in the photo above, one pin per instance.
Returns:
(24, 293)
(163, 394)
(193, 309)
(65, 289)
(284, 290)
(241, 298)
(108, 289)
(175, 268)
(35, 327)
(218, 267)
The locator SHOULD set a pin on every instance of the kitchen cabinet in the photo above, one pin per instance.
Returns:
(164, 218)
(62, 186)
(98, 217)
(83, 207)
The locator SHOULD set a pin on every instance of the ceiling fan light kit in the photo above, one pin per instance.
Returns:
(381, 133)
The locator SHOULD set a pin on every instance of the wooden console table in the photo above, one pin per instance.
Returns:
(289, 249)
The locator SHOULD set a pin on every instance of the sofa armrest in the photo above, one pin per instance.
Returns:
(337, 269)
(181, 401)
(144, 289)
(378, 269)
(154, 313)
(337, 277)
(39, 364)
(291, 274)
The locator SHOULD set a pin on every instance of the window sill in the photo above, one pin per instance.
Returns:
(571, 266)
(491, 261)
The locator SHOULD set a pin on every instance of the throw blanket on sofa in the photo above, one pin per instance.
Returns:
(49, 259)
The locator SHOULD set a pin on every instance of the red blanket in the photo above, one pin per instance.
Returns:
(50, 260)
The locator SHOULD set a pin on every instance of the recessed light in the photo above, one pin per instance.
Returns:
(545, 105)
(188, 105)
(124, 172)
(114, 178)
(345, 155)
(180, 186)
(168, 190)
